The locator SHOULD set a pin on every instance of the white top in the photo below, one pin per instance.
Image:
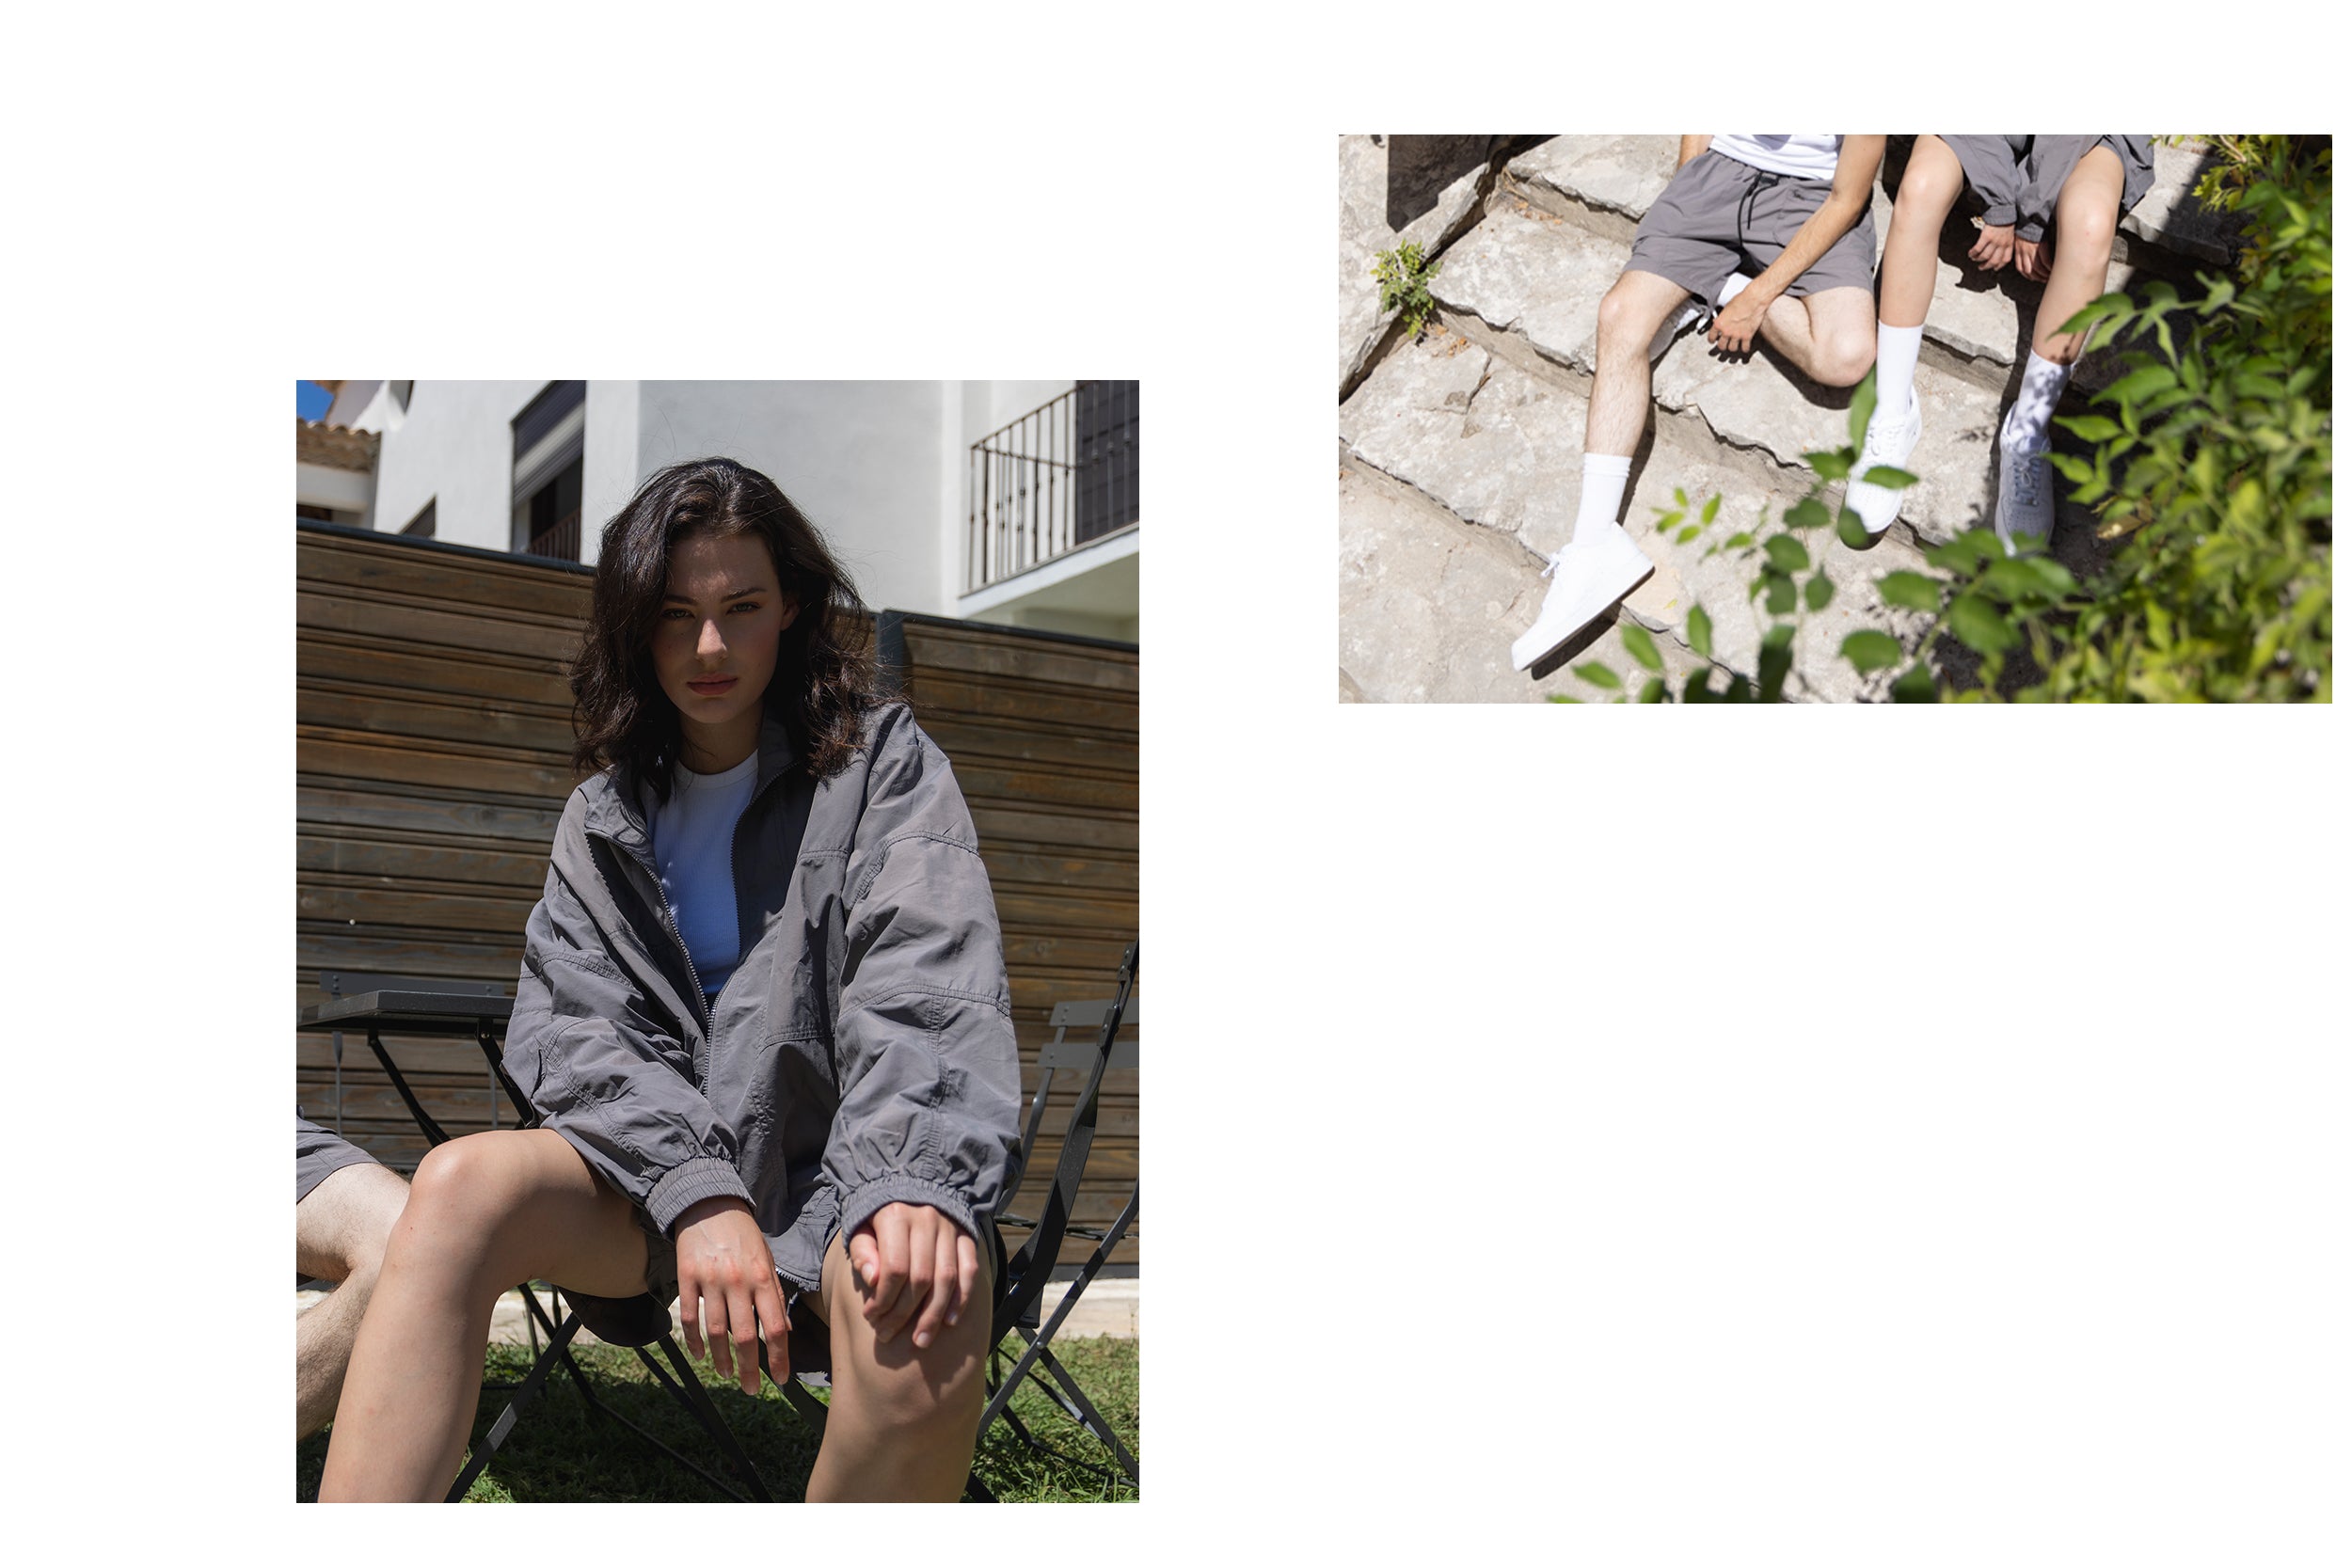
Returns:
(693, 843)
(1808, 157)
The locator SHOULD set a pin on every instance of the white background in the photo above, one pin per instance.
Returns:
(1620, 1136)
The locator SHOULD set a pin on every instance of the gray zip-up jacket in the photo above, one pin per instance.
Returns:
(861, 1053)
(2018, 177)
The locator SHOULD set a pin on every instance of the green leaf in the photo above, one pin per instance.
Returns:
(1831, 466)
(1695, 689)
(1739, 540)
(1865, 398)
(1784, 551)
(1979, 623)
(1637, 642)
(2140, 383)
(2091, 427)
(1808, 513)
(1916, 685)
(1911, 591)
(2072, 468)
(1849, 530)
(1817, 592)
(1780, 594)
(1602, 676)
(1870, 650)
(1773, 660)
(1688, 532)
(1707, 513)
(1702, 630)
(1654, 690)
(1967, 551)
(1892, 479)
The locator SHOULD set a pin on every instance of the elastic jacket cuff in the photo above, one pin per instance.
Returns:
(870, 1199)
(2029, 228)
(688, 1185)
(1999, 214)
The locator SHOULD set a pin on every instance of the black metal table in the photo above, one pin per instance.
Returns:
(450, 1014)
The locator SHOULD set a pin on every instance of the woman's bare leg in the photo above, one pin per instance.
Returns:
(484, 1214)
(904, 1420)
(1931, 185)
(2084, 235)
(340, 1230)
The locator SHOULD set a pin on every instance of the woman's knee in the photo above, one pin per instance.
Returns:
(464, 1193)
(935, 1389)
(1932, 183)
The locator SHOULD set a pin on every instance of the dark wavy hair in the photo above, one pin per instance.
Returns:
(824, 682)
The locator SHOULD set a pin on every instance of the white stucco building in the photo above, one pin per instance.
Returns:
(1011, 501)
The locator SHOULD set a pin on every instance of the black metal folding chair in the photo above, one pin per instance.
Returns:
(1028, 1271)
(379, 1004)
(1017, 1309)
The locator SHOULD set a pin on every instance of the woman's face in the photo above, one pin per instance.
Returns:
(714, 647)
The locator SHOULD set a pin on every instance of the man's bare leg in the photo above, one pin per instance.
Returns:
(904, 1420)
(1830, 336)
(1635, 306)
(484, 1214)
(2084, 235)
(340, 1228)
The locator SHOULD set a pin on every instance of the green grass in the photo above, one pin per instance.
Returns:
(559, 1453)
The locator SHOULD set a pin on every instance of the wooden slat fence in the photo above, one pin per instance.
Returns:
(433, 741)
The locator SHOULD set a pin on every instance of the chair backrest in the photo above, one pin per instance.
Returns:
(1028, 1269)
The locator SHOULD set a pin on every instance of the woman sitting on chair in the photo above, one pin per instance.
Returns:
(762, 1014)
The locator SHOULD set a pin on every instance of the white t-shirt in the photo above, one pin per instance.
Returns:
(693, 843)
(1806, 157)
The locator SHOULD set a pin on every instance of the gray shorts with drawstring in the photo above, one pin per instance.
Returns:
(1720, 216)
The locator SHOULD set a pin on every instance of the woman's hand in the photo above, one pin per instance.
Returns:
(1994, 247)
(910, 1258)
(2033, 259)
(726, 1283)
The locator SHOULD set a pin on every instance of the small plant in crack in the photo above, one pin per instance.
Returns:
(1403, 275)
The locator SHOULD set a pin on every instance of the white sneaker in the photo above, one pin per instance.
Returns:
(2028, 507)
(1587, 579)
(1688, 311)
(1885, 443)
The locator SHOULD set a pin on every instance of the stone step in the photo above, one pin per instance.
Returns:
(1500, 448)
(1396, 190)
(1429, 605)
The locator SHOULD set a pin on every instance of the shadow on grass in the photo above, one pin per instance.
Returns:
(560, 1452)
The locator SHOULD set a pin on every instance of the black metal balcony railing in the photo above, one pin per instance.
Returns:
(1059, 477)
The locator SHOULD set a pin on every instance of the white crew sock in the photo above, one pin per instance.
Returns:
(2028, 427)
(1604, 492)
(1732, 285)
(1899, 358)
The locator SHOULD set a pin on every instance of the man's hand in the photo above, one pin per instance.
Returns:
(1994, 247)
(909, 1260)
(2033, 259)
(1735, 326)
(726, 1283)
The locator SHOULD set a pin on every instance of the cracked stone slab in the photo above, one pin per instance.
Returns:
(1616, 174)
(1533, 274)
(1485, 441)
(1429, 606)
(1365, 229)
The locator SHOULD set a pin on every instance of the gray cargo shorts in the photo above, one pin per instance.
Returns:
(1719, 216)
(318, 1154)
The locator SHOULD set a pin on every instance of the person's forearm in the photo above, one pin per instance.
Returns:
(1811, 242)
(1691, 147)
